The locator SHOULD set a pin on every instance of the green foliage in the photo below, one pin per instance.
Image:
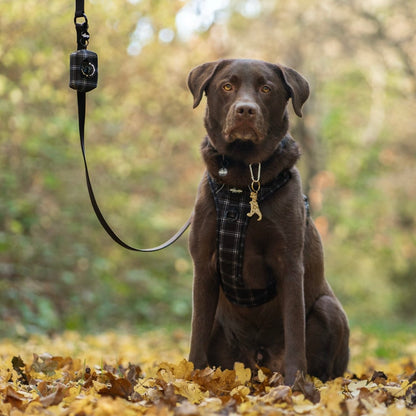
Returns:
(58, 269)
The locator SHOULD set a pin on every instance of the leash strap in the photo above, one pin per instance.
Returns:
(79, 8)
(82, 42)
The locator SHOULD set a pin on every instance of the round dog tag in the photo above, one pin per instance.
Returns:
(222, 171)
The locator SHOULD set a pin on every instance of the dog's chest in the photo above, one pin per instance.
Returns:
(232, 206)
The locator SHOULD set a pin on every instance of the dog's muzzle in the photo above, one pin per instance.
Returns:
(244, 122)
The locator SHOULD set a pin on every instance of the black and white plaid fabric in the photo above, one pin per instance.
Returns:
(77, 80)
(232, 206)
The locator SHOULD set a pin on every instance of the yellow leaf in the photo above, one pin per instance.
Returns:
(305, 407)
(302, 405)
(396, 391)
(186, 409)
(355, 386)
(243, 375)
(191, 391)
(240, 391)
(261, 376)
(332, 396)
(99, 386)
(165, 372)
(213, 404)
(183, 369)
(278, 394)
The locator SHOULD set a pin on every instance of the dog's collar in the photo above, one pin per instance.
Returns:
(255, 173)
(265, 191)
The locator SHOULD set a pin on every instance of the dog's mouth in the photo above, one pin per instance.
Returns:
(244, 134)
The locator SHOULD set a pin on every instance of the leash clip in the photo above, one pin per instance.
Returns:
(253, 179)
(83, 37)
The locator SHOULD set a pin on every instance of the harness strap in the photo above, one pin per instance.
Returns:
(232, 206)
(82, 42)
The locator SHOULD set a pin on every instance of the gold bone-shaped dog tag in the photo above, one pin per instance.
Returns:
(254, 206)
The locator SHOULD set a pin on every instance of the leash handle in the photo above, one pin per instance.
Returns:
(82, 43)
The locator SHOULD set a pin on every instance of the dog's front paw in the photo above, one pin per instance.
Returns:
(293, 367)
(290, 377)
(293, 373)
(306, 387)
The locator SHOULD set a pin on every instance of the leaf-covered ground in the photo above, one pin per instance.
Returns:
(113, 374)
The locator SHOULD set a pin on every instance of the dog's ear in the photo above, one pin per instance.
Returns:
(199, 78)
(297, 86)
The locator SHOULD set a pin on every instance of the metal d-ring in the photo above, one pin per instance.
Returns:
(87, 69)
(255, 184)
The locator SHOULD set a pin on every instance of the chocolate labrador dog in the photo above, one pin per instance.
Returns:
(259, 293)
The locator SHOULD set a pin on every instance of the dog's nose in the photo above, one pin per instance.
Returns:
(245, 110)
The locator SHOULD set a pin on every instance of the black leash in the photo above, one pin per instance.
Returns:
(84, 78)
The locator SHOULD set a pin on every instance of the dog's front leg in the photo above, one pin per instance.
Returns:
(294, 324)
(205, 300)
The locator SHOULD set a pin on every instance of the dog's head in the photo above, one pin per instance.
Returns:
(247, 99)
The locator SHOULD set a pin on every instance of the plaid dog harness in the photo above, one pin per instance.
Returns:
(232, 206)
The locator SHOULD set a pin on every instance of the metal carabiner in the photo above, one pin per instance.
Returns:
(83, 37)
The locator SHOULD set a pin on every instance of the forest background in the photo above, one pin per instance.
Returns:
(58, 268)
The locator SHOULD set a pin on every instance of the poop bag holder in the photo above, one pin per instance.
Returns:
(83, 75)
(83, 64)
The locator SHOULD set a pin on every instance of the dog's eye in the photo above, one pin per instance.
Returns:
(227, 87)
(266, 89)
